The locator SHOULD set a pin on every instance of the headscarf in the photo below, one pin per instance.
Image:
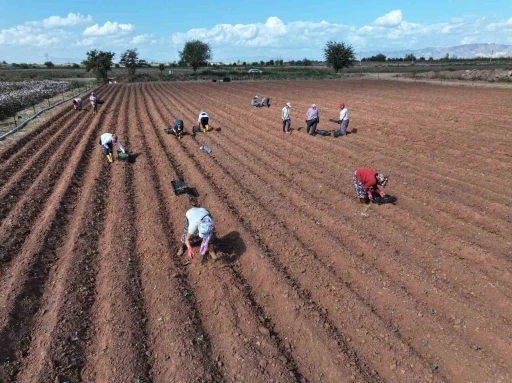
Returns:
(205, 230)
(381, 179)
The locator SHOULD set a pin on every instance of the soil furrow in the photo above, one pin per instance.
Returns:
(373, 147)
(172, 313)
(466, 236)
(221, 299)
(231, 161)
(23, 149)
(118, 315)
(16, 213)
(29, 276)
(299, 311)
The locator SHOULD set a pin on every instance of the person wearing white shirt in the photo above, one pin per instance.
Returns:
(198, 225)
(202, 121)
(286, 118)
(77, 103)
(344, 120)
(94, 102)
(107, 142)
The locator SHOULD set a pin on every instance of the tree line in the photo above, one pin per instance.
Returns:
(197, 54)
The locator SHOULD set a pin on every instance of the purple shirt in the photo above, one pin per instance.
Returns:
(312, 114)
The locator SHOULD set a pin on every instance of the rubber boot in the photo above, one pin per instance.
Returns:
(109, 156)
(206, 128)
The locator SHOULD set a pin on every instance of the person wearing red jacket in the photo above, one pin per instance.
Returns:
(367, 181)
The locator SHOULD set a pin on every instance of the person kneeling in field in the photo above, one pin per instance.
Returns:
(202, 121)
(367, 182)
(198, 225)
(265, 102)
(177, 127)
(77, 103)
(107, 142)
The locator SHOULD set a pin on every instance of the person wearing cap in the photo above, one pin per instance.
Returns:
(367, 182)
(94, 102)
(107, 142)
(286, 118)
(312, 119)
(344, 121)
(198, 225)
(202, 120)
(77, 104)
(255, 101)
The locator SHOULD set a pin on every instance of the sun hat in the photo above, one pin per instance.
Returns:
(205, 230)
(313, 105)
(342, 105)
(288, 105)
(255, 96)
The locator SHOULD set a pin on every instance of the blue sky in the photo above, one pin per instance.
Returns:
(66, 30)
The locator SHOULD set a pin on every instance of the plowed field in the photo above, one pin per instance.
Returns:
(312, 286)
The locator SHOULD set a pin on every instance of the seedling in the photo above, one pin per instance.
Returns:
(476, 347)
(425, 292)
(320, 377)
(431, 310)
(375, 353)
(424, 342)
(434, 367)
(391, 310)
(200, 338)
(186, 293)
(233, 351)
(337, 308)
(160, 319)
(394, 328)
(462, 324)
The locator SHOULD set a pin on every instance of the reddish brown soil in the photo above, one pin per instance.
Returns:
(312, 286)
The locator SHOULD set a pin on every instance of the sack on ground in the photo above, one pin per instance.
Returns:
(123, 156)
(323, 132)
(336, 133)
(196, 129)
(168, 131)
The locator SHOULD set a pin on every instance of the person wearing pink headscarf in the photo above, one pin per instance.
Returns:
(198, 225)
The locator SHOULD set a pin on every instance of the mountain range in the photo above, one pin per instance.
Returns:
(460, 51)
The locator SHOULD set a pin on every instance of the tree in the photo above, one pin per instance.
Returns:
(75, 66)
(49, 64)
(338, 55)
(161, 68)
(410, 57)
(130, 59)
(196, 54)
(99, 62)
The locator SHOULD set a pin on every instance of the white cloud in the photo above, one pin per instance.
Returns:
(391, 19)
(109, 28)
(71, 20)
(139, 39)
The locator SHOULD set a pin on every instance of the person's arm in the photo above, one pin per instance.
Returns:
(317, 117)
(120, 145)
(189, 246)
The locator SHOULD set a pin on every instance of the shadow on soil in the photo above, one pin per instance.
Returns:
(133, 157)
(232, 247)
